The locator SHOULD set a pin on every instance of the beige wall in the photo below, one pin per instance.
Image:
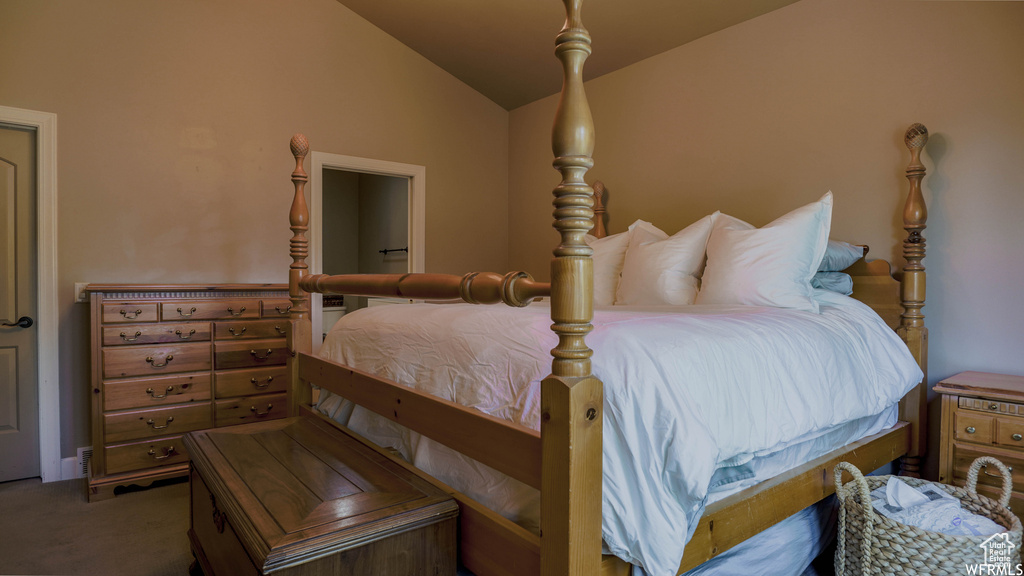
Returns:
(174, 120)
(767, 115)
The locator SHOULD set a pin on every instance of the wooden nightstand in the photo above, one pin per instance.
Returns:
(983, 415)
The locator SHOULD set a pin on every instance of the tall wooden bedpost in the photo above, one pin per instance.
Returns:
(912, 328)
(571, 399)
(299, 338)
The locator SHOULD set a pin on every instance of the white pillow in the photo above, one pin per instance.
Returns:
(839, 256)
(769, 266)
(664, 271)
(609, 253)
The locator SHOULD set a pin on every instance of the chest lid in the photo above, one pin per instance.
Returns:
(298, 488)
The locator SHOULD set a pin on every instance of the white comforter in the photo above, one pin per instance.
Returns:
(688, 390)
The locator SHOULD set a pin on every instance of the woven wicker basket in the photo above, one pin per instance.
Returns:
(870, 543)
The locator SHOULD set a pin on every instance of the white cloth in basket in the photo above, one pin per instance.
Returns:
(930, 508)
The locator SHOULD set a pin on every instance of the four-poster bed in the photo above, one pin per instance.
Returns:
(564, 458)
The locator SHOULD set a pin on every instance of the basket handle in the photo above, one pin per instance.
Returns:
(844, 492)
(972, 478)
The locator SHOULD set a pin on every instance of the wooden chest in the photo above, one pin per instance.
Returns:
(300, 497)
(170, 359)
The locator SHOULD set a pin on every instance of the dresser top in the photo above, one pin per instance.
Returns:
(182, 287)
(988, 385)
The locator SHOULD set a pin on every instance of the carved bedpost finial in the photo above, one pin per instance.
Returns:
(299, 219)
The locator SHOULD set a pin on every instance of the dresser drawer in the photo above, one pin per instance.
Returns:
(124, 426)
(210, 309)
(277, 308)
(155, 392)
(153, 360)
(973, 427)
(212, 528)
(156, 333)
(251, 408)
(129, 312)
(256, 329)
(148, 454)
(250, 353)
(253, 381)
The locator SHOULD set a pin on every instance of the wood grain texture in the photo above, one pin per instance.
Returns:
(302, 498)
(463, 429)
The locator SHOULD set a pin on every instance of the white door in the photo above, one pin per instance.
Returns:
(19, 413)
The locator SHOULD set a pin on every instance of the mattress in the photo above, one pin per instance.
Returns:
(689, 392)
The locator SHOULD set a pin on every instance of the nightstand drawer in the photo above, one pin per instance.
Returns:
(1010, 432)
(253, 381)
(251, 408)
(974, 427)
(963, 456)
(129, 312)
(154, 360)
(250, 353)
(138, 424)
(156, 333)
(210, 309)
(155, 392)
(148, 454)
(257, 329)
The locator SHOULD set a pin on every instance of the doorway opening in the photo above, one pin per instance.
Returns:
(367, 217)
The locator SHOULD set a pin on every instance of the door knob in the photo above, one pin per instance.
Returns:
(23, 322)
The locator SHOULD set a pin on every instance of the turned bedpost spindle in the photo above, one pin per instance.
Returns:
(912, 328)
(571, 399)
(299, 394)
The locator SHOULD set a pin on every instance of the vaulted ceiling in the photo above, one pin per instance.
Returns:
(504, 48)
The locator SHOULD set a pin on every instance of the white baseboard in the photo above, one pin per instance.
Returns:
(69, 468)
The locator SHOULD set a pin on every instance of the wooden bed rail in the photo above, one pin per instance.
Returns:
(515, 288)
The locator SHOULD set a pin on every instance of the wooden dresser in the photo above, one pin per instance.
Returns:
(299, 497)
(170, 359)
(983, 415)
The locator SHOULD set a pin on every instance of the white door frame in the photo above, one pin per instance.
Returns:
(417, 176)
(45, 125)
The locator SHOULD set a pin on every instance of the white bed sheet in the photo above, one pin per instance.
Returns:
(688, 391)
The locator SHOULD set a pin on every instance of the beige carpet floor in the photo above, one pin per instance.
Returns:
(51, 529)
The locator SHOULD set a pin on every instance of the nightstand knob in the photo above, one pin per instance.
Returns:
(971, 430)
(993, 406)
(1017, 437)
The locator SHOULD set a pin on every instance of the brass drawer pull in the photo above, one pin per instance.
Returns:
(987, 473)
(256, 382)
(280, 331)
(188, 314)
(971, 430)
(240, 332)
(188, 337)
(239, 313)
(161, 396)
(126, 338)
(257, 356)
(168, 452)
(261, 414)
(285, 311)
(131, 315)
(165, 425)
(993, 406)
(166, 361)
(1017, 437)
